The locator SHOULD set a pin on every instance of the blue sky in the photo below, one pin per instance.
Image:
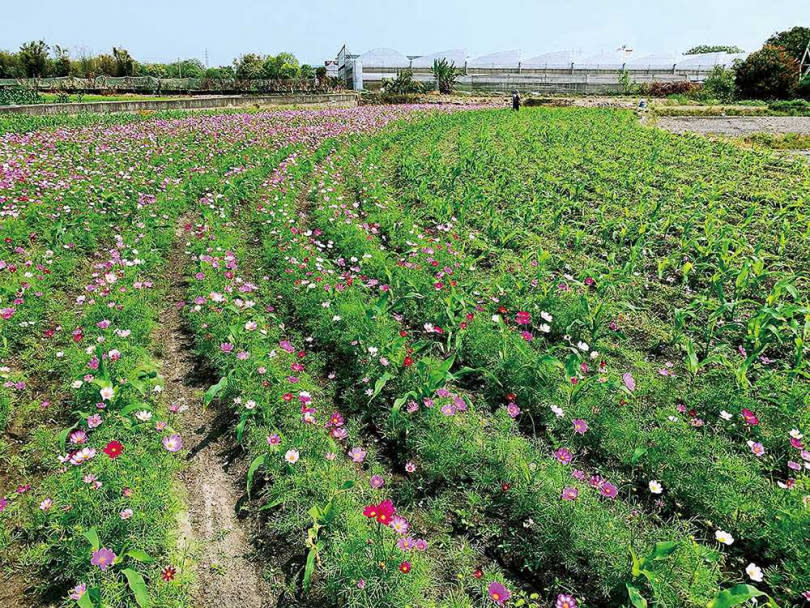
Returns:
(162, 30)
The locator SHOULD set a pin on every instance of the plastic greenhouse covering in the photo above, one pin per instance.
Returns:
(602, 61)
(384, 58)
(555, 60)
(456, 56)
(707, 61)
(652, 62)
(504, 59)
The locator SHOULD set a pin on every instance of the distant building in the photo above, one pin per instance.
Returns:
(556, 72)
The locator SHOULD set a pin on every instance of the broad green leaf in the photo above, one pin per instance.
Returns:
(92, 536)
(662, 550)
(310, 567)
(635, 597)
(85, 602)
(140, 556)
(138, 587)
(735, 595)
(215, 390)
(254, 466)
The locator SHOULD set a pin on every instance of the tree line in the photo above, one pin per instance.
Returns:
(36, 59)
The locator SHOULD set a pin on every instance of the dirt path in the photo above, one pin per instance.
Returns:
(216, 542)
(735, 125)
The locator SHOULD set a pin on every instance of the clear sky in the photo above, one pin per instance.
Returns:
(162, 30)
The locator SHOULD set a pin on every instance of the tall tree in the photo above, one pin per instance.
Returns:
(770, 73)
(33, 57)
(794, 41)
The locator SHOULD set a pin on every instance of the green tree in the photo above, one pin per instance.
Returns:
(33, 57)
(713, 48)
(794, 41)
(249, 66)
(307, 72)
(770, 73)
(9, 65)
(283, 66)
(124, 63)
(720, 84)
(60, 66)
(445, 74)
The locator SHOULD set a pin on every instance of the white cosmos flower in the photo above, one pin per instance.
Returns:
(546, 316)
(726, 415)
(724, 537)
(656, 487)
(796, 434)
(754, 572)
(545, 328)
(291, 456)
(583, 346)
(107, 393)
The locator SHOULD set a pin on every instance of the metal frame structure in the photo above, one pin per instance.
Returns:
(804, 69)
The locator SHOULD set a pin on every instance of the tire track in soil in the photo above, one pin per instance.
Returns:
(213, 540)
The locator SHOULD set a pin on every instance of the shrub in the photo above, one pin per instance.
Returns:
(769, 73)
(664, 89)
(446, 74)
(403, 84)
(720, 84)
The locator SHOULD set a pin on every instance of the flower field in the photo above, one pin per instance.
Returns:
(463, 357)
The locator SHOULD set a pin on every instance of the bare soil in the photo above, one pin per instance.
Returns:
(735, 126)
(215, 541)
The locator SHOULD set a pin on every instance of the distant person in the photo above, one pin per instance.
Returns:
(515, 101)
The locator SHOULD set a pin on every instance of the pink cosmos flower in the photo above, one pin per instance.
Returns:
(357, 454)
(78, 591)
(629, 381)
(103, 558)
(498, 593)
(749, 417)
(399, 524)
(376, 481)
(580, 426)
(523, 318)
(563, 455)
(570, 493)
(565, 601)
(608, 490)
(173, 443)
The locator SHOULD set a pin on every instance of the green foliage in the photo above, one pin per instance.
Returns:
(713, 48)
(445, 74)
(403, 84)
(720, 84)
(794, 41)
(33, 58)
(770, 73)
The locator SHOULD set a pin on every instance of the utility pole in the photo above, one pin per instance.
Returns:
(206, 58)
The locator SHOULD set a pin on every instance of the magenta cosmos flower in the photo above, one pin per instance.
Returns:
(570, 493)
(498, 593)
(523, 318)
(565, 601)
(103, 558)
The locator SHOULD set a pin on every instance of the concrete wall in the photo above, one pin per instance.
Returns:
(347, 100)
